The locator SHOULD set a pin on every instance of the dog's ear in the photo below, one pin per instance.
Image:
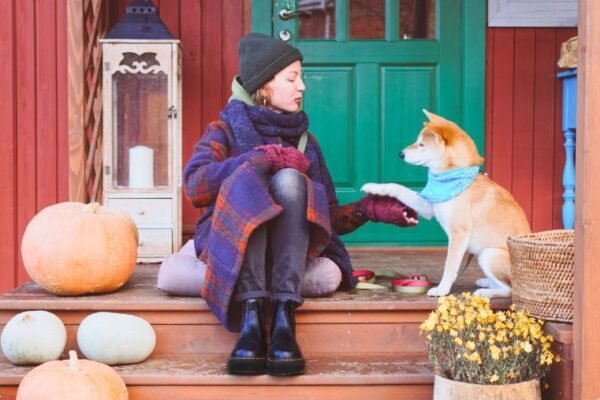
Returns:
(438, 131)
(433, 132)
(434, 117)
(428, 114)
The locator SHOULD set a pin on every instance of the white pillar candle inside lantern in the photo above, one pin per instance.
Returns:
(141, 167)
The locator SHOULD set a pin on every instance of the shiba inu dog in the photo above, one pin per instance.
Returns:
(477, 214)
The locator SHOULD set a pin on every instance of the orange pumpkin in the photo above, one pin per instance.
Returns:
(72, 248)
(72, 379)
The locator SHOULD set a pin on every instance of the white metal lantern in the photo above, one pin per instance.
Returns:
(142, 128)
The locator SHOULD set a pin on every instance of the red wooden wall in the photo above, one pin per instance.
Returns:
(523, 141)
(33, 121)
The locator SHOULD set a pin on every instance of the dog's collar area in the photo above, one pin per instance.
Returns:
(443, 186)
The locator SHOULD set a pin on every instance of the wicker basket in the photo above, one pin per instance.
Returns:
(542, 274)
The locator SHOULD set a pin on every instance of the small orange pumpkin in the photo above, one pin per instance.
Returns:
(72, 379)
(72, 248)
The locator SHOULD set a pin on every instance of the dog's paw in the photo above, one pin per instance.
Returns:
(485, 283)
(380, 189)
(438, 291)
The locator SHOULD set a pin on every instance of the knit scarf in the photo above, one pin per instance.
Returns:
(255, 126)
(444, 186)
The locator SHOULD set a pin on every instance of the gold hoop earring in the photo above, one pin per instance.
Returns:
(263, 98)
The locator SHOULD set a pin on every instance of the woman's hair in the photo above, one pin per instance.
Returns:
(262, 96)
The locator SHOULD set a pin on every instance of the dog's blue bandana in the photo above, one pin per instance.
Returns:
(444, 186)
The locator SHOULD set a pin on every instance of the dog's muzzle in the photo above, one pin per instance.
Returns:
(401, 155)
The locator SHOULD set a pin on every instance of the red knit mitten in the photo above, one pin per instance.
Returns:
(280, 157)
(273, 155)
(387, 209)
(293, 158)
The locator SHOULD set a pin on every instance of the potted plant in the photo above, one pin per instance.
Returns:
(479, 353)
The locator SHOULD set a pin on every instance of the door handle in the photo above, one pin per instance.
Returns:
(289, 14)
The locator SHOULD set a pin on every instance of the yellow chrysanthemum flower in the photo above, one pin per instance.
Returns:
(527, 347)
(495, 352)
(509, 343)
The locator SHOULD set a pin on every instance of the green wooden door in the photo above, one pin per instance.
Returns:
(370, 66)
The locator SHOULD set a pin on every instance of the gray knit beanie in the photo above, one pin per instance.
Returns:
(261, 57)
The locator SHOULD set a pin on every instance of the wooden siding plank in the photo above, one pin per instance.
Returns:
(46, 88)
(26, 120)
(8, 203)
(473, 109)
(247, 16)
(523, 110)
(502, 114)
(122, 6)
(170, 13)
(62, 100)
(489, 98)
(212, 60)
(191, 38)
(586, 385)
(76, 134)
(543, 152)
(232, 31)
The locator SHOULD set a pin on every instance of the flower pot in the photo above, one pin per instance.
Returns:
(446, 389)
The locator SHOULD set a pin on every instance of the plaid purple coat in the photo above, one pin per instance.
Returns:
(231, 189)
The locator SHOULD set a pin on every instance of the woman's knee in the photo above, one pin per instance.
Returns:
(288, 184)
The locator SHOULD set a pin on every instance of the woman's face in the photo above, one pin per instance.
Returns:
(286, 88)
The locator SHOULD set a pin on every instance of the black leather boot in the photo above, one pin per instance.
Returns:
(249, 354)
(284, 357)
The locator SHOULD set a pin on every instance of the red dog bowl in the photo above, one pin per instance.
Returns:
(364, 275)
(414, 284)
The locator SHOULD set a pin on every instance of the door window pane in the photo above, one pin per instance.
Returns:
(417, 19)
(316, 19)
(367, 19)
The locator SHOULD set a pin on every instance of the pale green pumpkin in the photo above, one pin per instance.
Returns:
(113, 338)
(33, 337)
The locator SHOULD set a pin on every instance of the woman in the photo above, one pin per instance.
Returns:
(268, 205)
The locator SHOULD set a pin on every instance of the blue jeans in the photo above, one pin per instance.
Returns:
(283, 241)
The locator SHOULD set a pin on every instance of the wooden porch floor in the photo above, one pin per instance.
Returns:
(140, 291)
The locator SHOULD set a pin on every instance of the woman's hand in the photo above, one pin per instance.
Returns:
(387, 209)
(280, 157)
